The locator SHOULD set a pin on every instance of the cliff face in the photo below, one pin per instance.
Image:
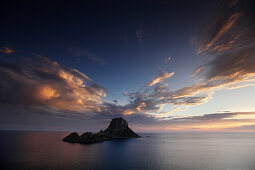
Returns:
(118, 129)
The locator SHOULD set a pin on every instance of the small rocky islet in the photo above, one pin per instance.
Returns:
(118, 129)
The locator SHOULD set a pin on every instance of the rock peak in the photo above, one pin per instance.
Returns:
(118, 122)
(118, 128)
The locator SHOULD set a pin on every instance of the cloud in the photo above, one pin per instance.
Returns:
(244, 128)
(233, 2)
(216, 116)
(6, 49)
(196, 71)
(44, 87)
(222, 121)
(139, 34)
(240, 85)
(168, 59)
(233, 29)
(230, 26)
(151, 100)
(229, 37)
(82, 52)
(196, 100)
(237, 65)
(162, 76)
(42, 82)
(224, 28)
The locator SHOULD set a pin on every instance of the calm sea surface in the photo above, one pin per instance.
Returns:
(205, 151)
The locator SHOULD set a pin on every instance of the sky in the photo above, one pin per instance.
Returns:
(162, 65)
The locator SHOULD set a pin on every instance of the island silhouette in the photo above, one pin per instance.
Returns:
(118, 129)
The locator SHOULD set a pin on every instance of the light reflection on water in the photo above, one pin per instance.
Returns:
(45, 150)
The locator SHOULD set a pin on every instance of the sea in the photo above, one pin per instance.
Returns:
(153, 151)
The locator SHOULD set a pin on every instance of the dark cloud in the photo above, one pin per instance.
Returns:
(238, 64)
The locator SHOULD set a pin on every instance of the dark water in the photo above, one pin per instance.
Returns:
(45, 150)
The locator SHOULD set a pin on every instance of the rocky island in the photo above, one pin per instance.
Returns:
(118, 129)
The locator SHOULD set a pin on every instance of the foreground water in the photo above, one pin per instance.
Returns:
(45, 150)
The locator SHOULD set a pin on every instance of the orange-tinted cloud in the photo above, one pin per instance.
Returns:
(43, 82)
(160, 78)
(222, 30)
(197, 70)
(6, 49)
(47, 92)
(230, 26)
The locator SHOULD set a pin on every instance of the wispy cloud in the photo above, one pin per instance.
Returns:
(6, 49)
(230, 26)
(224, 28)
(83, 52)
(162, 76)
(222, 121)
(233, 2)
(139, 34)
(196, 71)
